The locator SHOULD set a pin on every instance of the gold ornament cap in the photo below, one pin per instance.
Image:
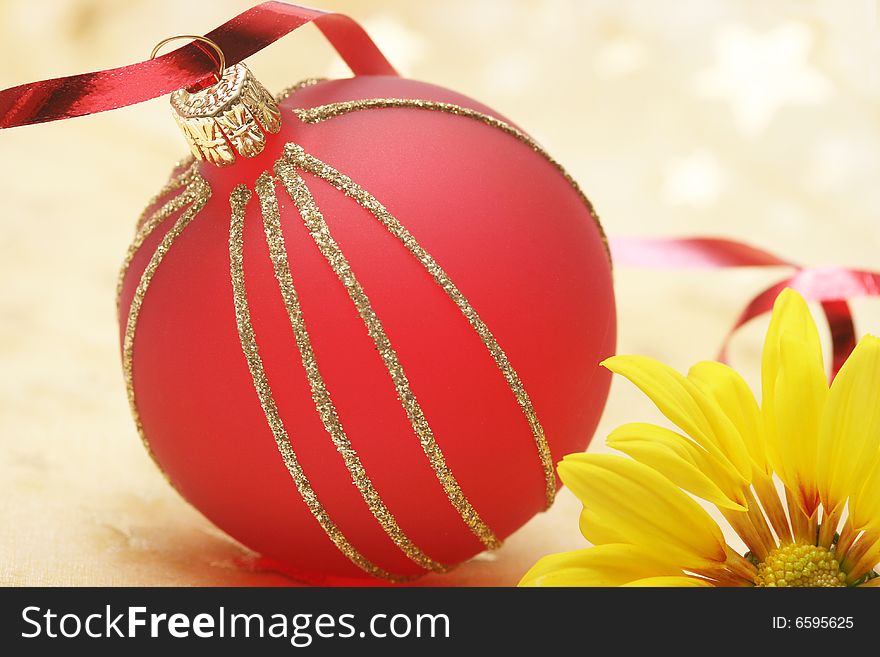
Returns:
(227, 119)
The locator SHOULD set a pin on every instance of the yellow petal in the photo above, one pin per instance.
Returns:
(733, 395)
(687, 406)
(868, 561)
(849, 435)
(670, 581)
(791, 317)
(864, 505)
(645, 508)
(597, 533)
(673, 456)
(604, 565)
(799, 399)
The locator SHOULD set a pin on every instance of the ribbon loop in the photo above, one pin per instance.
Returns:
(239, 38)
(832, 287)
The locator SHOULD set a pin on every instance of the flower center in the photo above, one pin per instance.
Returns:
(800, 565)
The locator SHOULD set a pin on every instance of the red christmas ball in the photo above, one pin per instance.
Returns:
(364, 349)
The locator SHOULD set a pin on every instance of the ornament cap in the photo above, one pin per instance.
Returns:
(227, 119)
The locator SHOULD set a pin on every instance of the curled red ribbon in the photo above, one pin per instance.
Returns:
(262, 25)
(241, 37)
(832, 287)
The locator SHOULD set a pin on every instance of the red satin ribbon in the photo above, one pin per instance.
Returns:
(260, 26)
(830, 286)
(247, 33)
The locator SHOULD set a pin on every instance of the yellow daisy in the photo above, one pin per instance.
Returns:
(797, 479)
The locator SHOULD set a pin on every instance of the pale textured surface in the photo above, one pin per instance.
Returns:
(752, 120)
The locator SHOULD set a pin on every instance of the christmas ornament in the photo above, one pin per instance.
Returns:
(398, 290)
(363, 322)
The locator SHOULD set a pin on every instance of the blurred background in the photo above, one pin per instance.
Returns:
(745, 119)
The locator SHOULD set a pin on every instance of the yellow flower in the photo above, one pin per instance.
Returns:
(797, 479)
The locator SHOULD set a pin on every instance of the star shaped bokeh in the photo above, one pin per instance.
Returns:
(757, 74)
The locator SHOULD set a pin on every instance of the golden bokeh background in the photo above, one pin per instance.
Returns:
(746, 119)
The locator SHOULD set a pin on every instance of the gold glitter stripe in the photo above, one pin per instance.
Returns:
(150, 224)
(302, 84)
(323, 403)
(238, 201)
(331, 251)
(329, 111)
(176, 182)
(201, 192)
(298, 157)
